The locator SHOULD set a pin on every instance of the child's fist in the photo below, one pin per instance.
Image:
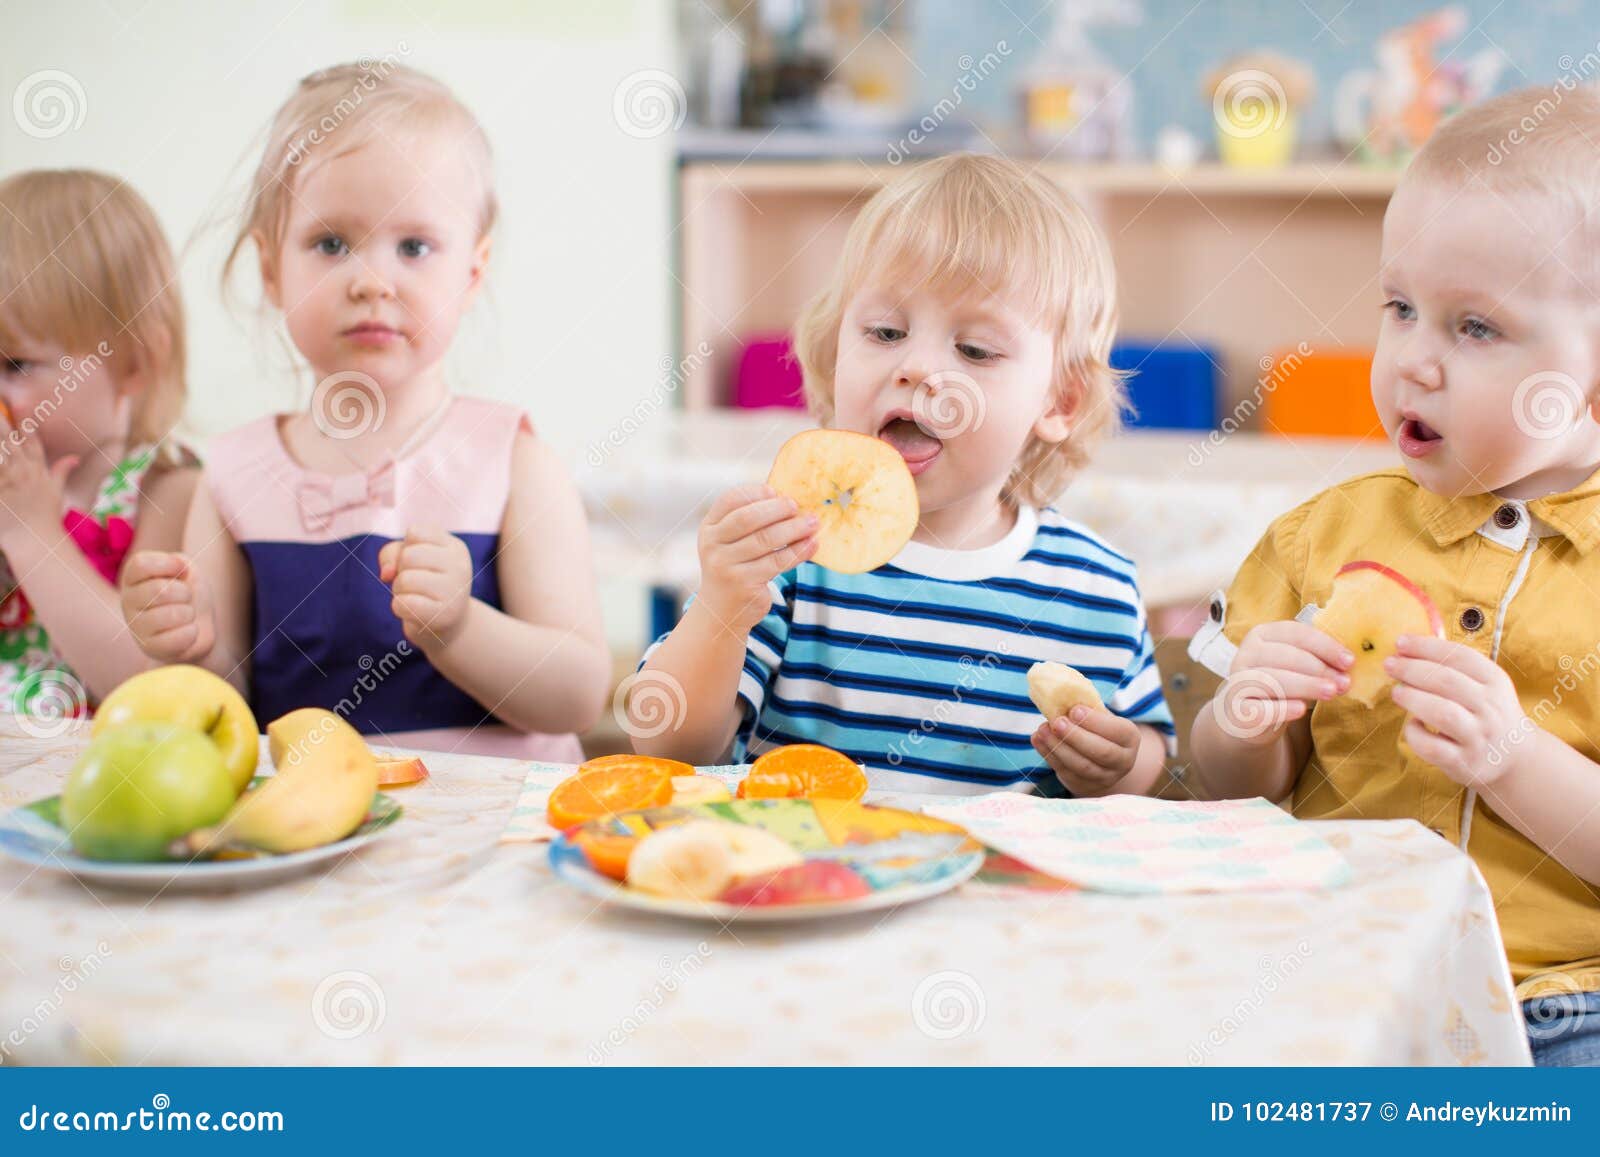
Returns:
(167, 607)
(1089, 750)
(429, 573)
(751, 536)
(1279, 668)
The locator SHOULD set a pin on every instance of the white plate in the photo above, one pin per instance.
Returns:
(934, 863)
(32, 839)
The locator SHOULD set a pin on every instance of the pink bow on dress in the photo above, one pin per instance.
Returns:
(323, 499)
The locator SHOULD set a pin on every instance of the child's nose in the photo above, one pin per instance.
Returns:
(369, 284)
(1419, 362)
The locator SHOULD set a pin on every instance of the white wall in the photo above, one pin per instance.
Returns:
(174, 95)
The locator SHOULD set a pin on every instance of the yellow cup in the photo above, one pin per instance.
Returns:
(1265, 145)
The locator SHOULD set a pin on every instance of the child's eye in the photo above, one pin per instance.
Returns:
(1401, 309)
(330, 247)
(14, 368)
(415, 247)
(975, 353)
(885, 333)
(1478, 330)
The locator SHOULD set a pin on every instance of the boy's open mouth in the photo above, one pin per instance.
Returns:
(1417, 439)
(918, 447)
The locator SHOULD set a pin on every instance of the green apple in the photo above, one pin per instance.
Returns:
(190, 697)
(139, 786)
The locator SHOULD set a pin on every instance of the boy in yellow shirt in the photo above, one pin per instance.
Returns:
(1487, 379)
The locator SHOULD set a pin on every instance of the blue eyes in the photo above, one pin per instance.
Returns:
(1474, 328)
(411, 247)
(974, 353)
(885, 333)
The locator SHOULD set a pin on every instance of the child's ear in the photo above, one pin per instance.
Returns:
(270, 288)
(480, 263)
(1060, 416)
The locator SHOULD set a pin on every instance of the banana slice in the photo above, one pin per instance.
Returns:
(698, 860)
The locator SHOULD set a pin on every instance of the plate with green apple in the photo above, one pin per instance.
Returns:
(33, 834)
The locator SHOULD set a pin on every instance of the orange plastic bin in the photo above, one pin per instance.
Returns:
(1325, 393)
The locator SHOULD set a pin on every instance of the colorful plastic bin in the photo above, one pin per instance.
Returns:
(1172, 387)
(1324, 393)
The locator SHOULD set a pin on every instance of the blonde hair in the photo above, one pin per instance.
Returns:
(85, 265)
(1534, 140)
(966, 222)
(338, 110)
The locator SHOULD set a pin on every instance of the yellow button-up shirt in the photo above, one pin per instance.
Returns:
(1519, 582)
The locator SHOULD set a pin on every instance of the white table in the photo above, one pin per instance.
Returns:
(438, 945)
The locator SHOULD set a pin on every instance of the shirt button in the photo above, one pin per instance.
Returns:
(1471, 619)
(1215, 610)
(1507, 516)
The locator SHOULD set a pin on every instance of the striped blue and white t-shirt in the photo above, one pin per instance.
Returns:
(918, 669)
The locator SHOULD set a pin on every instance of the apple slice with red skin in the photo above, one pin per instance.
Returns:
(401, 770)
(813, 882)
(1371, 606)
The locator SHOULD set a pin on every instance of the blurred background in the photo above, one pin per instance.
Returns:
(677, 177)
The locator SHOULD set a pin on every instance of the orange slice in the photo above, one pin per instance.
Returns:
(804, 771)
(608, 852)
(615, 783)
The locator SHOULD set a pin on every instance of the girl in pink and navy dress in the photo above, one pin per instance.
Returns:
(92, 377)
(416, 561)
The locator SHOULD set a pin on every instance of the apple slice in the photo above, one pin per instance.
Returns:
(698, 860)
(693, 789)
(1056, 689)
(401, 770)
(860, 490)
(813, 882)
(1370, 607)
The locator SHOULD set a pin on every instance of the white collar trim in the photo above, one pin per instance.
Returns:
(965, 565)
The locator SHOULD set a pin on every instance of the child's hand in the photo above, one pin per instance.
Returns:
(430, 574)
(1279, 668)
(30, 488)
(1469, 703)
(1089, 750)
(751, 536)
(167, 607)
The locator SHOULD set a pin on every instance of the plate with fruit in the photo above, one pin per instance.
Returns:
(792, 841)
(167, 792)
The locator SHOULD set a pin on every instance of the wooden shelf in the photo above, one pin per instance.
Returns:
(1249, 262)
(856, 178)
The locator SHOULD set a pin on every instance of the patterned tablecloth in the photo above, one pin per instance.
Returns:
(438, 944)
